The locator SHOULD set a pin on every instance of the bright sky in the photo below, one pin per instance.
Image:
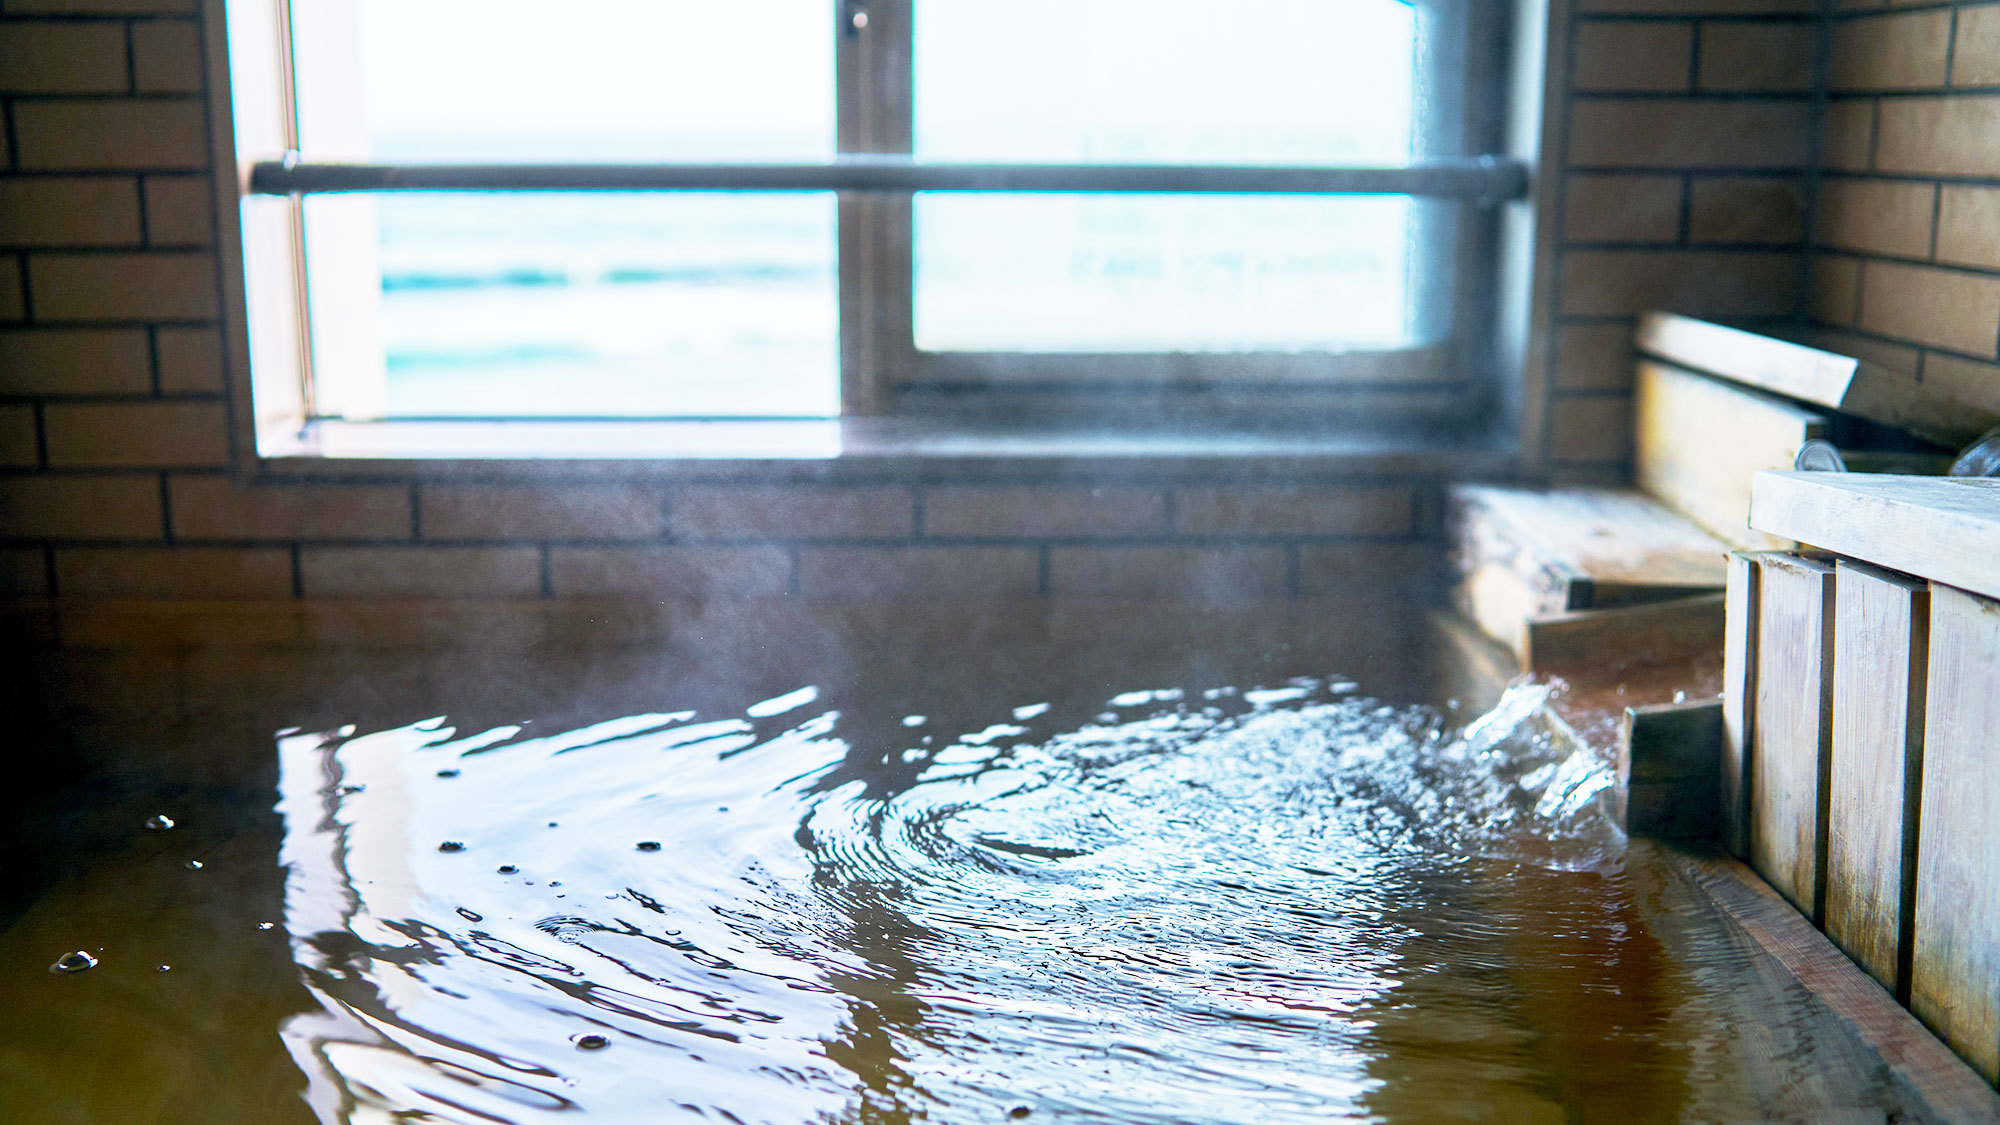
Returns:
(676, 79)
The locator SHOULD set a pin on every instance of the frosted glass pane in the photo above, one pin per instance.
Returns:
(581, 304)
(610, 80)
(1124, 273)
(1281, 81)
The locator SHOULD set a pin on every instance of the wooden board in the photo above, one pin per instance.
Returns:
(1881, 639)
(1788, 753)
(1944, 529)
(1701, 441)
(1739, 699)
(1910, 1056)
(1669, 763)
(1608, 640)
(1523, 553)
(1955, 953)
(1811, 375)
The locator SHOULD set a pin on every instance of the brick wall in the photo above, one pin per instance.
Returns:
(1906, 252)
(1685, 134)
(1683, 182)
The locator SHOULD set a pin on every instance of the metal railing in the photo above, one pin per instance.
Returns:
(1482, 179)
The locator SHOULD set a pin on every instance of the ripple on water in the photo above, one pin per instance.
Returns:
(1214, 906)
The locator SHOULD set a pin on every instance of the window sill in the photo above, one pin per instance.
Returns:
(842, 448)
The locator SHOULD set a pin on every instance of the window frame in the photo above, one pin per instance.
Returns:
(882, 374)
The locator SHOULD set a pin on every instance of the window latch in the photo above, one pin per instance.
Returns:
(854, 17)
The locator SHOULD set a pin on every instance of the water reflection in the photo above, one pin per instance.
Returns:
(1258, 905)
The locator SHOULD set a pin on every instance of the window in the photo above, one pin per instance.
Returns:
(794, 209)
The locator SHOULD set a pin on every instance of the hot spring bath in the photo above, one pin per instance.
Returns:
(1120, 865)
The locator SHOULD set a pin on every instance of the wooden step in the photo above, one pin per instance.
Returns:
(1524, 555)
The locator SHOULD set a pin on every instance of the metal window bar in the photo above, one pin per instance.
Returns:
(1483, 179)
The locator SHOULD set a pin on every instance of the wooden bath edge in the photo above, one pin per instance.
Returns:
(1920, 1061)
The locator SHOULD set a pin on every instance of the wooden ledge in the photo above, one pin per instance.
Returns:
(1946, 529)
(1917, 1060)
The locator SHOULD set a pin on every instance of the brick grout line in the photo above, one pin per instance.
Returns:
(1815, 172)
(1951, 45)
(298, 573)
(41, 435)
(1694, 57)
(153, 359)
(1565, 106)
(131, 61)
(1774, 95)
(1705, 17)
(1960, 268)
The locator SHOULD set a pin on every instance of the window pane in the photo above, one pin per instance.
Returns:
(602, 80)
(1280, 81)
(1124, 273)
(569, 304)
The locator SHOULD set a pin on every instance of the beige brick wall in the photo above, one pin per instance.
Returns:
(1906, 249)
(1683, 183)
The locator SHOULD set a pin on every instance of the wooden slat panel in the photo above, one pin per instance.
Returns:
(1701, 441)
(1946, 529)
(1739, 699)
(1955, 962)
(1881, 625)
(1789, 742)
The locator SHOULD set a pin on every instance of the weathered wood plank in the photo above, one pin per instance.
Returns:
(1669, 767)
(1955, 952)
(1789, 742)
(1700, 442)
(1607, 640)
(1523, 553)
(1946, 529)
(1912, 1056)
(1812, 375)
(1881, 641)
(1739, 700)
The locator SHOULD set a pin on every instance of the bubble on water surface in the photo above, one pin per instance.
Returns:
(566, 928)
(447, 773)
(451, 846)
(73, 962)
(507, 869)
(648, 845)
(469, 915)
(159, 823)
(590, 1042)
